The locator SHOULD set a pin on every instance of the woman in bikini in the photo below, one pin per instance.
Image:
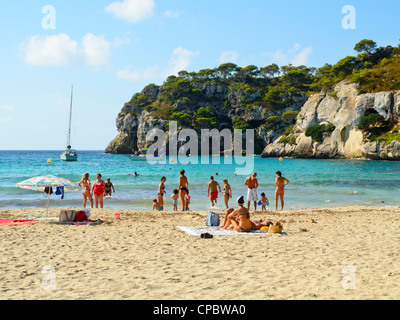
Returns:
(227, 192)
(98, 191)
(281, 182)
(85, 184)
(239, 219)
(183, 188)
(161, 192)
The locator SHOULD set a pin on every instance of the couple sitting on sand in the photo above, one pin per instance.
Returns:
(239, 219)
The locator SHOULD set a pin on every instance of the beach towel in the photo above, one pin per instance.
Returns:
(43, 218)
(4, 222)
(87, 222)
(198, 231)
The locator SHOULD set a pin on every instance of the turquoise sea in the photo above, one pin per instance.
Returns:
(313, 183)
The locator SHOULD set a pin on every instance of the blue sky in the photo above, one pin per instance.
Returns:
(110, 50)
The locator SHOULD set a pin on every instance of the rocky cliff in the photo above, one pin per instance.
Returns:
(280, 133)
(343, 111)
(210, 105)
(346, 110)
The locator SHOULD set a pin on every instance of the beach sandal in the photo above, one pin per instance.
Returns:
(206, 236)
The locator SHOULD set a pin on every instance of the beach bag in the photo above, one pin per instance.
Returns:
(277, 228)
(213, 219)
(67, 216)
(80, 216)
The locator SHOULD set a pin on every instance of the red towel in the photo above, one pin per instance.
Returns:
(4, 222)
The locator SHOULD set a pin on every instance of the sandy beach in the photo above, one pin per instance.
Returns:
(347, 253)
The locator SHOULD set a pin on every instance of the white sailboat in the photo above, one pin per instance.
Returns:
(70, 154)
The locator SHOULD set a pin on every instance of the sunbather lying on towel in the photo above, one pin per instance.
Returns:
(240, 221)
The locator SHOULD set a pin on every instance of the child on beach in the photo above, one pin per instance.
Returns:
(175, 198)
(227, 192)
(265, 202)
(187, 200)
(156, 205)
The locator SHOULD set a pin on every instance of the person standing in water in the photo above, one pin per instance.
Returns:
(227, 192)
(161, 192)
(108, 186)
(85, 184)
(252, 185)
(281, 182)
(183, 188)
(213, 186)
(98, 191)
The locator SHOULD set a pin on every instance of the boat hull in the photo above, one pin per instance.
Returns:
(69, 157)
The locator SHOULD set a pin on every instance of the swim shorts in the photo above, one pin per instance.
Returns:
(252, 195)
(214, 195)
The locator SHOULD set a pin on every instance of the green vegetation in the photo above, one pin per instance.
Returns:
(272, 87)
(289, 115)
(370, 121)
(388, 137)
(204, 118)
(378, 129)
(240, 123)
(316, 132)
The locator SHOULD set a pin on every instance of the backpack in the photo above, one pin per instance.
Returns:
(213, 219)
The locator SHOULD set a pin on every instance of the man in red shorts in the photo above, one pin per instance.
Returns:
(213, 186)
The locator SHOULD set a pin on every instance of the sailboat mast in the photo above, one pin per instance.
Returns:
(70, 118)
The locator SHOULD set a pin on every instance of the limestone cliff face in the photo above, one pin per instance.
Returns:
(228, 105)
(344, 111)
(277, 135)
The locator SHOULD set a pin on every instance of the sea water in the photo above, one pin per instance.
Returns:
(313, 183)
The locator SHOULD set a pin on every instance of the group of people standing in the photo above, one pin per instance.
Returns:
(98, 190)
(214, 189)
(101, 189)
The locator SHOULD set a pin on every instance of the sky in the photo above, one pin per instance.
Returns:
(110, 50)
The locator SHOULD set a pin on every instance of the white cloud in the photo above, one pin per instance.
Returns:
(295, 56)
(302, 57)
(96, 50)
(4, 120)
(171, 14)
(131, 10)
(180, 60)
(61, 50)
(135, 76)
(57, 50)
(228, 56)
(6, 108)
(118, 42)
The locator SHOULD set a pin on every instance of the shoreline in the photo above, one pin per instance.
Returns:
(144, 256)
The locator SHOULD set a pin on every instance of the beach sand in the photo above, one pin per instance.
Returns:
(348, 253)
